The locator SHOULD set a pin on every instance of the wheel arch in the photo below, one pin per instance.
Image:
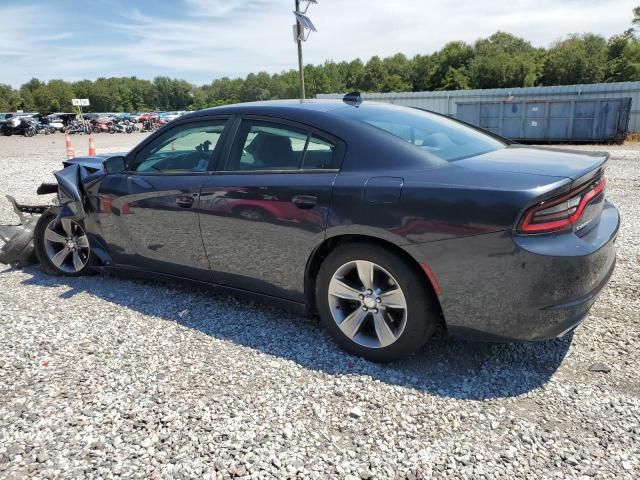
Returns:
(328, 245)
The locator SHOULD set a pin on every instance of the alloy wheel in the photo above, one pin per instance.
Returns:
(367, 304)
(66, 245)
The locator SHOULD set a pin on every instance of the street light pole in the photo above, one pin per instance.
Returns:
(300, 62)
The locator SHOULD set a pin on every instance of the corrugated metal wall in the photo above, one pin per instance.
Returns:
(445, 102)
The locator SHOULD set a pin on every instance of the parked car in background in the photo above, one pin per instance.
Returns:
(169, 116)
(17, 124)
(146, 117)
(386, 221)
(55, 122)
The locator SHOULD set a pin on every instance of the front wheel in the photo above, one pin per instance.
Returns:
(62, 246)
(374, 303)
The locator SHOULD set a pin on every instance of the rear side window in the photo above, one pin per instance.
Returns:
(262, 145)
(319, 154)
(440, 136)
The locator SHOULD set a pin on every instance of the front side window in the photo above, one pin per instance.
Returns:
(262, 145)
(184, 149)
(438, 135)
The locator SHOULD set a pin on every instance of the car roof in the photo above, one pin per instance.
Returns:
(315, 111)
(279, 105)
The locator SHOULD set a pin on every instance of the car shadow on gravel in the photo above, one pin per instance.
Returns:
(445, 366)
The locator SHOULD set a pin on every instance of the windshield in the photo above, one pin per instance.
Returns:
(438, 135)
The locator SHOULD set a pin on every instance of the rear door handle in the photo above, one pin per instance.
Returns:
(304, 201)
(184, 201)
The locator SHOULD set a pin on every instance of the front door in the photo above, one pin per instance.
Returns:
(149, 214)
(265, 209)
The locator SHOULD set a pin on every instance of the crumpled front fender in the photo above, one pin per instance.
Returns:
(71, 192)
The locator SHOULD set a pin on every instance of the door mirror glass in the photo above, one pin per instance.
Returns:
(114, 165)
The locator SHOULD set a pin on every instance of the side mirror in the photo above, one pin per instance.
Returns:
(114, 165)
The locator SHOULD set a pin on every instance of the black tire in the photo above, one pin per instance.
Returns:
(45, 263)
(421, 307)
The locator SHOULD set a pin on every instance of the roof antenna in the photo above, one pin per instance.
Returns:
(353, 99)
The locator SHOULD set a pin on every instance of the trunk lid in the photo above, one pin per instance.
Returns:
(554, 162)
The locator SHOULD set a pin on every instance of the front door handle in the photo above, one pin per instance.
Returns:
(184, 201)
(304, 201)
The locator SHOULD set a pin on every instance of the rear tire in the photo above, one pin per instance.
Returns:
(374, 303)
(62, 249)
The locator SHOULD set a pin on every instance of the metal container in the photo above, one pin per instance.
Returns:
(597, 120)
(445, 102)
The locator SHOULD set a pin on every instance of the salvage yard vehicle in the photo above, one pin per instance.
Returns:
(19, 125)
(386, 221)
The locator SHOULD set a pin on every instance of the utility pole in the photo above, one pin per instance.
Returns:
(302, 23)
(300, 62)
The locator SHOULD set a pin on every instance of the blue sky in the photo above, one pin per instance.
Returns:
(200, 40)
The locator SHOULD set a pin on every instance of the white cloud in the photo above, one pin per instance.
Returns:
(234, 37)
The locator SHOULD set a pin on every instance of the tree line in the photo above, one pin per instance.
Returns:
(502, 60)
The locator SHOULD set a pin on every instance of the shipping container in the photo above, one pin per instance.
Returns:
(597, 120)
(445, 102)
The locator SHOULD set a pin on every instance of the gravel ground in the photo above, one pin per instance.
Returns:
(103, 377)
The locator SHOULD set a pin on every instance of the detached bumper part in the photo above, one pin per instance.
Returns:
(18, 249)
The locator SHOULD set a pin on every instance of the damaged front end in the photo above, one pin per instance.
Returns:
(18, 249)
(73, 182)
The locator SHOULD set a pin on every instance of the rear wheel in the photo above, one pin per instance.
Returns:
(62, 246)
(374, 303)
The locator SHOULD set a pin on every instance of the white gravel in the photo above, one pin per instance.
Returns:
(103, 377)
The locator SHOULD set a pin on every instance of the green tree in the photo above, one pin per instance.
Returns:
(423, 68)
(374, 75)
(449, 63)
(636, 17)
(10, 99)
(576, 59)
(504, 60)
(354, 72)
(624, 59)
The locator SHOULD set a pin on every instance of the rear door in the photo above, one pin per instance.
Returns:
(265, 208)
(149, 214)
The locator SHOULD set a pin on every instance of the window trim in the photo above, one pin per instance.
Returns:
(225, 157)
(226, 121)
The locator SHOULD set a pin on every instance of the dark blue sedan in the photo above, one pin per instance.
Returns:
(385, 221)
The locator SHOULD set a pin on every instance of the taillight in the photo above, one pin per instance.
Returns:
(562, 212)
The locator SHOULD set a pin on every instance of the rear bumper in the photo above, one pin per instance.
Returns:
(506, 287)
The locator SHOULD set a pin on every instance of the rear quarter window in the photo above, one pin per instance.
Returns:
(440, 136)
